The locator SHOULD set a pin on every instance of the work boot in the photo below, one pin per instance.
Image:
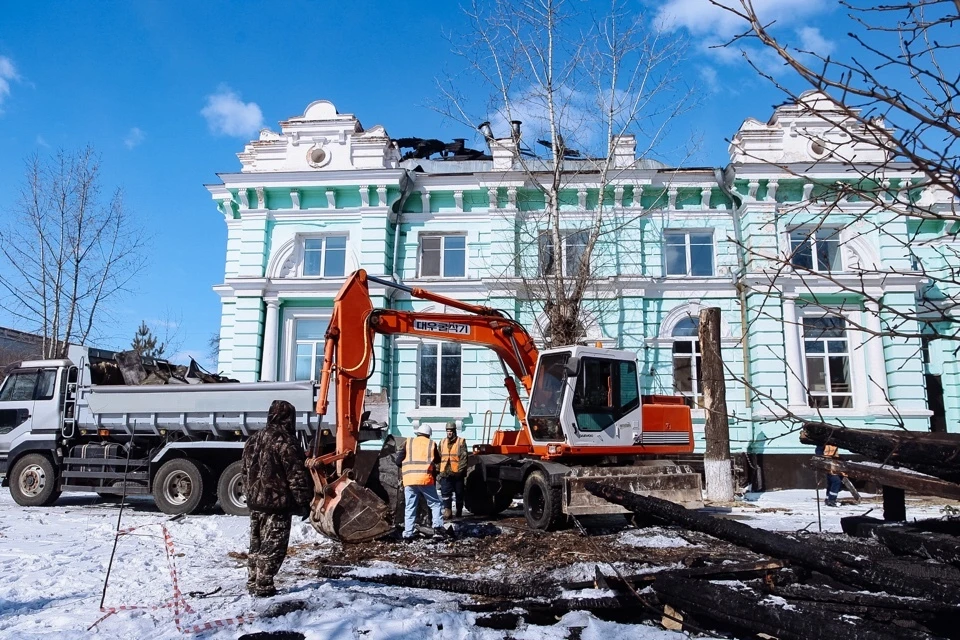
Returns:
(440, 532)
(831, 502)
(265, 591)
(447, 513)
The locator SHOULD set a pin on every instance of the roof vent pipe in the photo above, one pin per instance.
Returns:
(515, 130)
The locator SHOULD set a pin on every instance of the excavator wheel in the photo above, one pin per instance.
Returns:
(478, 497)
(542, 502)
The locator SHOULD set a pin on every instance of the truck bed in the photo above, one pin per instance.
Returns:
(213, 408)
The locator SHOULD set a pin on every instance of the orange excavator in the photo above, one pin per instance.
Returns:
(584, 419)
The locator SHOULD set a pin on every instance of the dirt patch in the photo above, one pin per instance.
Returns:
(507, 549)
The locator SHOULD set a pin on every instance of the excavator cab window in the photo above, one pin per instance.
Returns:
(606, 391)
(546, 398)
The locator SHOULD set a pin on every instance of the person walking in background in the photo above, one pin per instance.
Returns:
(276, 485)
(453, 468)
(419, 459)
(834, 481)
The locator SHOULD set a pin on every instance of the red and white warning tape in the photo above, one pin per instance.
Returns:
(178, 603)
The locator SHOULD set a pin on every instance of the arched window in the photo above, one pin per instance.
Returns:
(686, 361)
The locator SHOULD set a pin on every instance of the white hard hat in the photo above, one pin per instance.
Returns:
(424, 430)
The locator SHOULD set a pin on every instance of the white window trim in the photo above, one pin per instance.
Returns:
(686, 245)
(443, 251)
(302, 248)
(856, 353)
(808, 229)
(695, 377)
(288, 346)
(564, 234)
(437, 409)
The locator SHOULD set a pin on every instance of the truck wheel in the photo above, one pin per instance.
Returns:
(178, 487)
(33, 482)
(478, 497)
(233, 499)
(541, 502)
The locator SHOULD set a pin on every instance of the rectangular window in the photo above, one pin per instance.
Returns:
(440, 368)
(20, 387)
(573, 248)
(443, 256)
(325, 257)
(689, 253)
(606, 390)
(816, 249)
(827, 354)
(308, 349)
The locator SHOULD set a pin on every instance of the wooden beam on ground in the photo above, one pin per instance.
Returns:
(737, 571)
(751, 612)
(856, 573)
(491, 588)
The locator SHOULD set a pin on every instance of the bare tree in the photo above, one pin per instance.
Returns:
(68, 249)
(588, 89)
(893, 126)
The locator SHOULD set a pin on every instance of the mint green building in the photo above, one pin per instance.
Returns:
(806, 297)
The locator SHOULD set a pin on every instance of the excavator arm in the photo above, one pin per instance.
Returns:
(342, 508)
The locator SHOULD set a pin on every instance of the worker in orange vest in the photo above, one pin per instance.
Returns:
(453, 467)
(419, 459)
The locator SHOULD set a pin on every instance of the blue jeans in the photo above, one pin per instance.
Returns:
(411, 499)
(834, 483)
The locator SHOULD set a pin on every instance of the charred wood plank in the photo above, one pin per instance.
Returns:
(737, 571)
(490, 588)
(776, 545)
(909, 481)
(935, 454)
(924, 544)
(744, 610)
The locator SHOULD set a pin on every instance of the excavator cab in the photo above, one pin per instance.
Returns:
(584, 396)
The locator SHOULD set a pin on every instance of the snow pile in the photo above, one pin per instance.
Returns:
(651, 540)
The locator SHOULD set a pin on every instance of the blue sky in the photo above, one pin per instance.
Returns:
(168, 92)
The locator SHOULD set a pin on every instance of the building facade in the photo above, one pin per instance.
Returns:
(807, 295)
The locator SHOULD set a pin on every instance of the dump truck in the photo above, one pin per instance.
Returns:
(82, 424)
(584, 419)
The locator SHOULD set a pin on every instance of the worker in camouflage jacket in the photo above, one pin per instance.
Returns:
(277, 486)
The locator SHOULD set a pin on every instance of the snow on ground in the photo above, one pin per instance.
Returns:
(797, 509)
(53, 561)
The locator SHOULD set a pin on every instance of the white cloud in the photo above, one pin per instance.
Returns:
(702, 18)
(8, 74)
(41, 142)
(134, 137)
(708, 75)
(813, 41)
(228, 115)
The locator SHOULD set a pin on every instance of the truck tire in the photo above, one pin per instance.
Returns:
(33, 481)
(542, 502)
(178, 487)
(230, 491)
(478, 497)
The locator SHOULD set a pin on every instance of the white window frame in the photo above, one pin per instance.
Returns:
(289, 347)
(811, 237)
(323, 254)
(853, 353)
(687, 257)
(565, 234)
(439, 380)
(443, 254)
(696, 393)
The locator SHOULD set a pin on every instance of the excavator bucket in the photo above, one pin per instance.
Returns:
(350, 512)
(362, 506)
